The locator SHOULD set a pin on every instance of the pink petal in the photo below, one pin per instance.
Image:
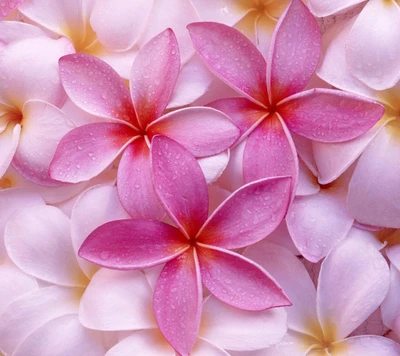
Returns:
(180, 184)
(238, 281)
(98, 90)
(202, 131)
(243, 112)
(304, 148)
(38, 241)
(153, 76)
(133, 244)
(204, 347)
(134, 183)
(341, 302)
(371, 60)
(177, 301)
(317, 222)
(8, 6)
(88, 150)
(12, 31)
(308, 183)
(390, 307)
(231, 57)
(9, 140)
(117, 300)
(241, 330)
(213, 166)
(393, 251)
(365, 345)
(373, 191)
(330, 115)
(294, 52)
(118, 25)
(322, 8)
(248, 215)
(270, 152)
(64, 334)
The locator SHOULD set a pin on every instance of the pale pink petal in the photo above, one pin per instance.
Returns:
(143, 343)
(353, 281)
(242, 330)
(370, 236)
(365, 345)
(373, 189)
(231, 57)
(204, 347)
(390, 307)
(244, 113)
(393, 252)
(88, 150)
(304, 149)
(9, 140)
(43, 127)
(32, 310)
(177, 301)
(95, 87)
(322, 8)
(134, 183)
(307, 183)
(270, 152)
(294, 52)
(8, 6)
(202, 131)
(291, 274)
(120, 61)
(214, 166)
(38, 241)
(371, 60)
(153, 76)
(180, 184)
(281, 236)
(62, 336)
(11, 31)
(117, 300)
(133, 244)
(248, 215)
(317, 222)
(238, 281)
(224, 11)
(119, 24)
(328, 115)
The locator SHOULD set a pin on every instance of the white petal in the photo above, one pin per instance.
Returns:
(214, 166)
(366, 345)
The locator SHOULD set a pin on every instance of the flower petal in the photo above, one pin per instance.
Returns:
(294, 52)
(202, 131)
(133, 244)
(180, 184)
(353, 281)
(390, 307)
(38, 241)
(308, 184)
(241, 330)
(322, 8)
(248, 215)
(12, 31)
(9, 140)
(213, 166)
(206, 348)
(88, 150)
(238, 281)
(366, 345)
(231, 57)
(117, 300)
(177, 301)
(134, 183)
(328, 115)
(8, 7)
(153, 76)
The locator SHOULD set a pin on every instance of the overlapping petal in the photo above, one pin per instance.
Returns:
(366, 345)
(325, 8)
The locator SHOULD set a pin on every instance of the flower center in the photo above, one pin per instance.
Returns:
(192, 242)
(6, 182)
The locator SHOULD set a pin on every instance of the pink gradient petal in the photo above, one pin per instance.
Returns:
(248, 215)
(32, 310)
(238, 281)
(202, 131)
(371, 60)
(231, 57)
(373, 191)
(365, 345)
(119, 24)
(241, 330)
(243, 112)
(177, 301)
(390, 307)
(270, 152)
(322, 8)
(38, 241)
(8, 6)
(294, 52)
(317, 222)
(180, 184)
(352, 273)
(117, 300)
(98, 90)
(134, 183)
(133, 244)
(88, 150)
(43, 127)
(64, 334)
(9, 140)
(330, 115)
(153, 76)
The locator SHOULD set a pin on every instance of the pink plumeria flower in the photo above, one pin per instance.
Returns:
(273, 100)
(198, 250)
(130, 120)
(371, 60)
(353, 281)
